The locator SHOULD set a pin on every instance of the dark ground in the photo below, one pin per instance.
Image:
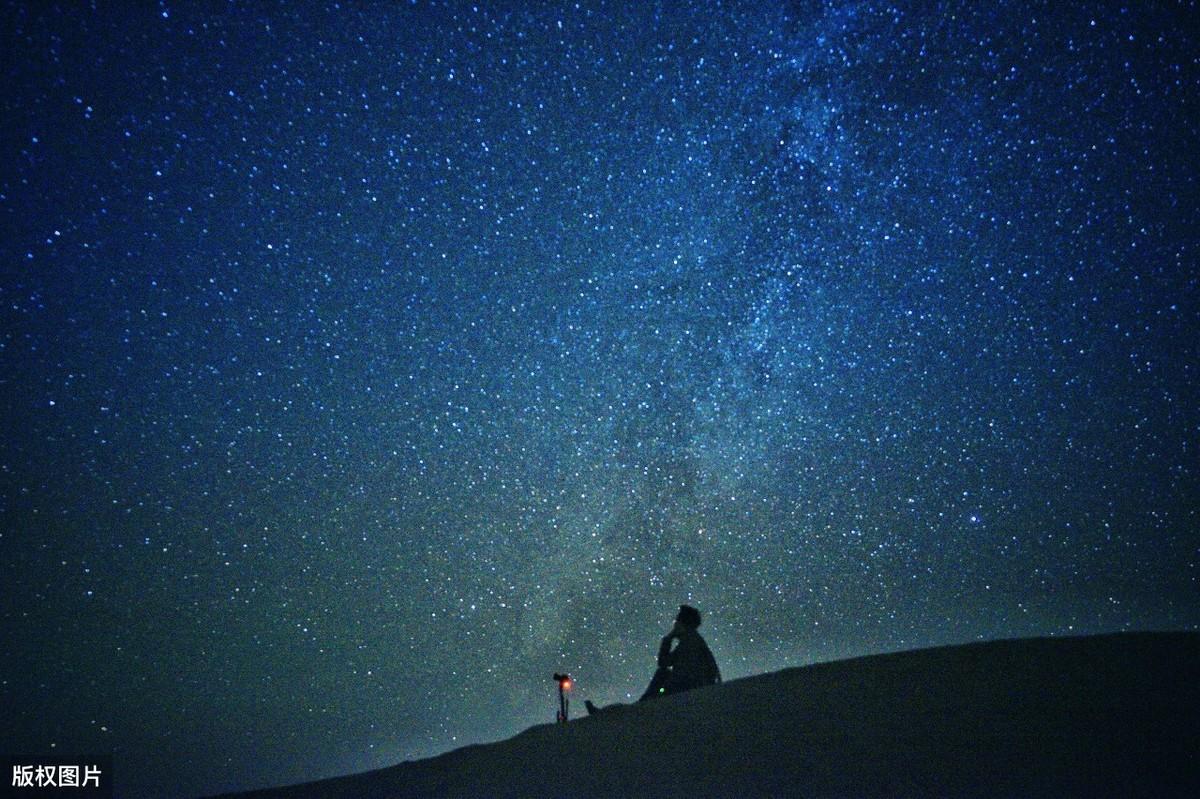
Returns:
(1113, 715)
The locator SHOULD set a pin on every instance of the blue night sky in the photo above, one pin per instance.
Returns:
(363, 364)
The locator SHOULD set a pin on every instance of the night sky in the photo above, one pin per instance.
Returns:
(362, 365)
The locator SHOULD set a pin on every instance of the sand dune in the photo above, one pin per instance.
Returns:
(1113, 715)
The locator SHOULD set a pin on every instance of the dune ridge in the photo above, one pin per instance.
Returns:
(1107, 715)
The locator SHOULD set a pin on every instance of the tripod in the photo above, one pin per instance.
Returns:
(564, 685)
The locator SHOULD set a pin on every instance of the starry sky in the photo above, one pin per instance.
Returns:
(363, 364)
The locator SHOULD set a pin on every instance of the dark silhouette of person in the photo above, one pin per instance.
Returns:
(690, 664)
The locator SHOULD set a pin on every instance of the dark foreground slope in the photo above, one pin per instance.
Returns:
(1115, 715)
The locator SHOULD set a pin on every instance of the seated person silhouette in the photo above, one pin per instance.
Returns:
(689, 665)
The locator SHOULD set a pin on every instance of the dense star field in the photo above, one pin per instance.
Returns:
(364, 364)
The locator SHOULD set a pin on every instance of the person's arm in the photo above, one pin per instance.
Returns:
(664, 651)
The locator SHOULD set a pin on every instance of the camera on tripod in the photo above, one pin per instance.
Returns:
(564, 685)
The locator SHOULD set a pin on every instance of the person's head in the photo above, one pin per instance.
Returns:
(688, 617)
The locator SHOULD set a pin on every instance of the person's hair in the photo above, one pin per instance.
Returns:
(688, 616)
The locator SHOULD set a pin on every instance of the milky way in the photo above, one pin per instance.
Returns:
(363, 365)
